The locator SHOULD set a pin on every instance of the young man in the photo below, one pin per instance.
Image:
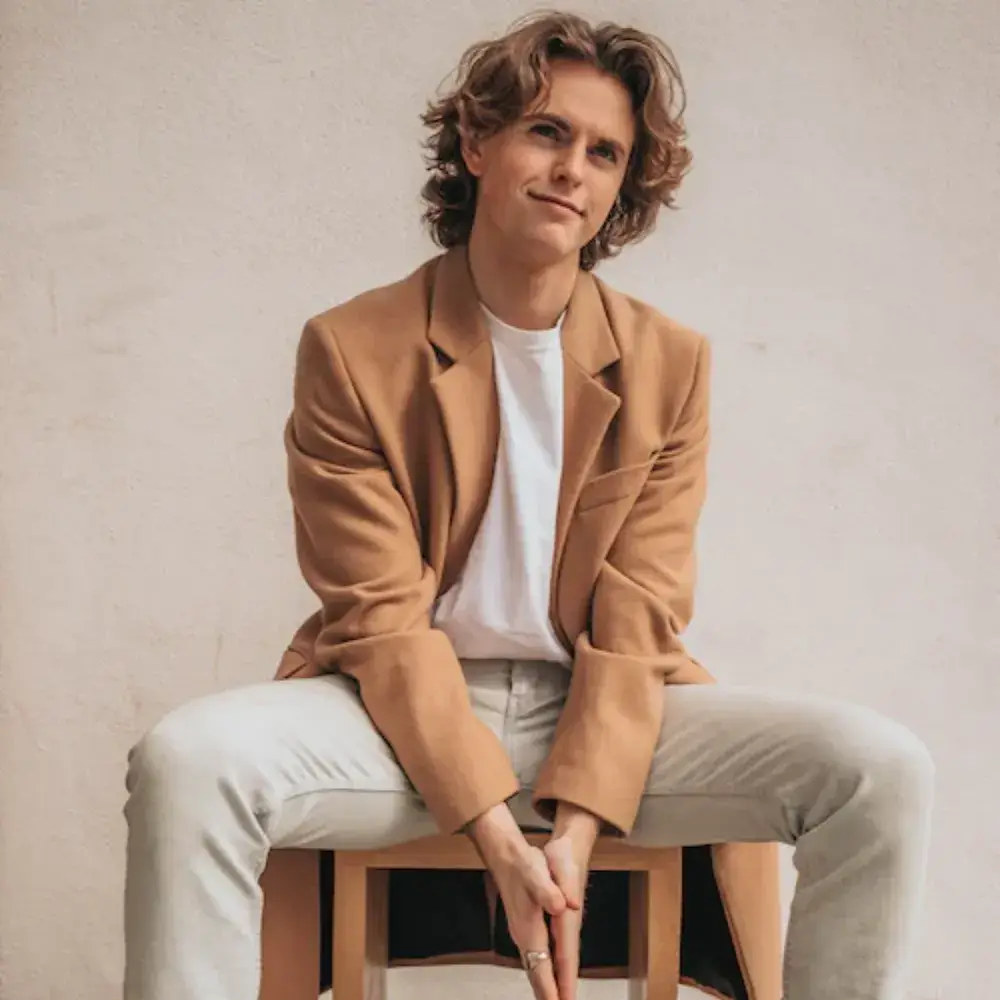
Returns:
(497, 466)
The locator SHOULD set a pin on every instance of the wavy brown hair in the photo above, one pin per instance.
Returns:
(500, 79)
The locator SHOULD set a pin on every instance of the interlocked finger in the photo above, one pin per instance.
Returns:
(570, 876)
(531, 897)
(566, 961)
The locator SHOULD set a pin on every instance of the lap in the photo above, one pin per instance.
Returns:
(736, 762)
(305, 752)
(310, 731)
(731, 763)
(740, 763)
(731, 738)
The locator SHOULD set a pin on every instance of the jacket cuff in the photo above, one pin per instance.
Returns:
(413, 688)
(607, 734)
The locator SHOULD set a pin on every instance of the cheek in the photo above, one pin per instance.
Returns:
(504, 184)
(526, 166)
(606, 200)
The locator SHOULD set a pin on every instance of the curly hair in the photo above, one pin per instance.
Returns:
(500, 79)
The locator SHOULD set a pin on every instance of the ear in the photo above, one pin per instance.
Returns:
(472, 152)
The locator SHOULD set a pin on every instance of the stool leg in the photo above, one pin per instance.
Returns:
(655, 930)
(290, 926)
(360, 931)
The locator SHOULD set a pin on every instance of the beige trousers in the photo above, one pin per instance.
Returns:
(298, 763)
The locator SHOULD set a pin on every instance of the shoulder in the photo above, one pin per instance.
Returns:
(379, 322)
(651, 341)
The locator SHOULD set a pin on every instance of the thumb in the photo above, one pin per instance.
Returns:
(566, 874)
(546, 892)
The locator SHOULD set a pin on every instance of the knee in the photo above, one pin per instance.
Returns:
(167, 752)
(889, 760)
(185, 747)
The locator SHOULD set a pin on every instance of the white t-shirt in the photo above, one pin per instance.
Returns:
(499, 607)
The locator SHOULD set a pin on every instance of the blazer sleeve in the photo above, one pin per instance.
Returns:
(642, 601)
(358, 550)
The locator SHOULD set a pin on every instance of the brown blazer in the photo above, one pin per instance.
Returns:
(391, 448)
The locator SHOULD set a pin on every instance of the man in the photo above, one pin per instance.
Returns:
(497, 466)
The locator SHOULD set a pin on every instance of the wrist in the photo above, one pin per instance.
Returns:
(496, 835)
(579, 825)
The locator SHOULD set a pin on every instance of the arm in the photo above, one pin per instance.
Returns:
(642, 601)
(358, 551)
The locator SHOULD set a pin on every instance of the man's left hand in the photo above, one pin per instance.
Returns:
(568, 856)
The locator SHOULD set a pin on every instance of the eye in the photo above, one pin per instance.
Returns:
(545, 129)
(608, 152)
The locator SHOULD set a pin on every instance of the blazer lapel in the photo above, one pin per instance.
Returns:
(467, 401)
(589, 407)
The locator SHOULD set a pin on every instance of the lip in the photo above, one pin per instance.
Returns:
(552, 200)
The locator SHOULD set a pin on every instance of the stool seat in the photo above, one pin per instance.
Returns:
(290, 929)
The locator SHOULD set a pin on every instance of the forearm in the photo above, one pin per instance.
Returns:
(416, 695)
(359, 552)
(642, 602)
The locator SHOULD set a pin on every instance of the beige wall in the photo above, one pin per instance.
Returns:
(183, 184)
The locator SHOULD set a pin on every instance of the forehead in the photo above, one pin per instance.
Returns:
(592, 102)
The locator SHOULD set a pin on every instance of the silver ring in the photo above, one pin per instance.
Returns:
(532, 959)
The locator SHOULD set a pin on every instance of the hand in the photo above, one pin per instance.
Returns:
(526, 886)
(568, 856)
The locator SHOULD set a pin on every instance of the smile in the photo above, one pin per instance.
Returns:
(558, 203)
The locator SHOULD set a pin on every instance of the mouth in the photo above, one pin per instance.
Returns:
(552, 200)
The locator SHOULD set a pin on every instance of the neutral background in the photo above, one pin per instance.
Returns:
(185, 183)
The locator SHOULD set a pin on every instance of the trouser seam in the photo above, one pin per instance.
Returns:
(707, 795)
(790, 814)
(336, 788)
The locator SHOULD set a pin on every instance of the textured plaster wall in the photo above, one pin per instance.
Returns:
(183, 184)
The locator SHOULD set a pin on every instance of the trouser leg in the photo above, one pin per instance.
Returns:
(221, 780)
(850, 788)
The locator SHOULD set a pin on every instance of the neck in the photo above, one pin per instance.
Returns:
(521, 292)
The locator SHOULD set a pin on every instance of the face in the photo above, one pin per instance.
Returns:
(547, 182)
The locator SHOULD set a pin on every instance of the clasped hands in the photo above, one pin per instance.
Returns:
(533, 882)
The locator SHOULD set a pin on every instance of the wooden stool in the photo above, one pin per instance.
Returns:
(290, 947)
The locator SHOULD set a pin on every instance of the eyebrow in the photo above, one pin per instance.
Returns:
(567, 127)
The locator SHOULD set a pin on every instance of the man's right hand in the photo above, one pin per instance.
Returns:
(522, 876)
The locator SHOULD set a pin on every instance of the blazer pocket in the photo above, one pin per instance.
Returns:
(618, 484)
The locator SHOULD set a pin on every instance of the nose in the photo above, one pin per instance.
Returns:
(569, 165)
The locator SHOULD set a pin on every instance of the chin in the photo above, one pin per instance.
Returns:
(547, 248)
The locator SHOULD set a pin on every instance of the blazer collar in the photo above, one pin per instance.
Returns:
(457, 324)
